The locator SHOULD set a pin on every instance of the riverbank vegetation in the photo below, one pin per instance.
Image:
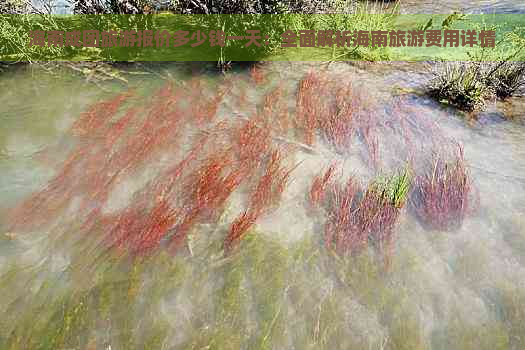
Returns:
(491, 73)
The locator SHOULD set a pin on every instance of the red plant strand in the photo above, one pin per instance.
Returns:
(257, 75)
(239, 227)
(319, 186)
(98, 114)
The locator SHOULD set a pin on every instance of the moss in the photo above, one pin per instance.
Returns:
(511, 310)
(461, 335)
(266, 269)
(231, 296)
(108, 308)
(472, 263)
(405, 332)
(330, 327)
(156, 334)
(247, 300)
(317, 303)
(368, 279)
(51, 323)
(216, 338)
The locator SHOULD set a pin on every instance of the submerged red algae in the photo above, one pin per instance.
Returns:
(118, 140)
(355, 216)
(442, 194)
(320, 185)
(266, 195)
(225, 154)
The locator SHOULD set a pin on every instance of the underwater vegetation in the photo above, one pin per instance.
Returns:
(192, 258)
(357, 215)
(442, 192)
(251, 156)
(116, 139)
(338, 113)
(320, 185)
(267, 194)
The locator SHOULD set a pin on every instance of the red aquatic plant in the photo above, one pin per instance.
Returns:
(252, 140)
(162, 210)
(141, 231)
(372, 144)
(192, 191)
(213, 184)
(107, 149)
(320, 186)
(311, 105)
(342, 232)
(99, 114)
(338, 127)
(378, 217)
(238, 229)
(271, 184)
(266, 195)
(368, 123)
(275, 111)
(441, 195)
(98, 137)
(205, 109)
(337, 116)
(160, 126)
(257, 75)
(357, 217)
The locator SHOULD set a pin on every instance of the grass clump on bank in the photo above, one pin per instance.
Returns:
(497, 72)
(460, 85)
(468, 85)
(507, 78)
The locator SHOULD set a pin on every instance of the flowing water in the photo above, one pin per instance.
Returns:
(468, 6)
(461, 289)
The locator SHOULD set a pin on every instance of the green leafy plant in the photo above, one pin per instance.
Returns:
(397, 188)
(459, 84)
(491, 72)
(506, 78)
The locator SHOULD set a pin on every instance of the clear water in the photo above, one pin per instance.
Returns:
(444, 290)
